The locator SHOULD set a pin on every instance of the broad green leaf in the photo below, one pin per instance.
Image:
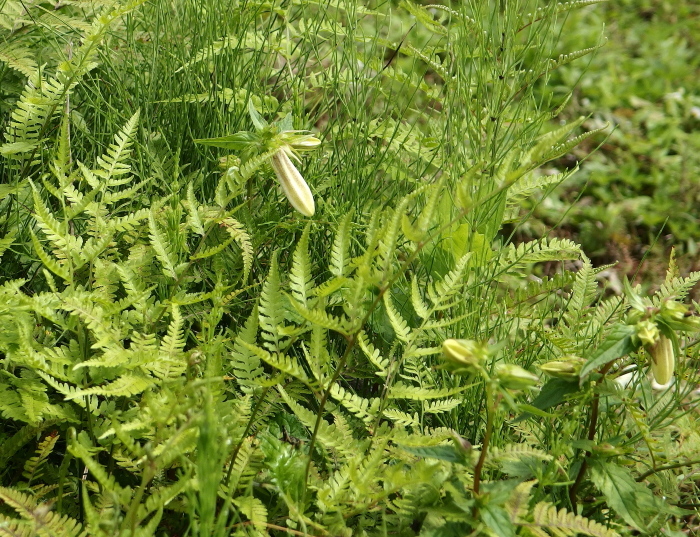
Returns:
(619, 342)
(633, 501)
(552, 394)
(444, 453)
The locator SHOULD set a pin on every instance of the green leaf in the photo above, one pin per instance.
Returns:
(619, 342)
(258, 121)
(240, 140)
(633, 501)
(552, 394)
(447, 453)
(497, 520)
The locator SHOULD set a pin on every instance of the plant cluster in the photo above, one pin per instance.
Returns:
(183, 353)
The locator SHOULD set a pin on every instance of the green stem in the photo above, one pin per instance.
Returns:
(491, 406)
(592, 427)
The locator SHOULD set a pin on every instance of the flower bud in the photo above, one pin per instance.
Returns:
(663, 360)
(307, 143)
(465, 352)
(514, 377)
(647, 332)
(672, 310)
(295, 188)
(567, 368)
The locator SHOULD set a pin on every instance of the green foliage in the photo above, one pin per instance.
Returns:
(183, 354)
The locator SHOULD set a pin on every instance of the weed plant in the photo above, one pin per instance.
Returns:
(184, 353)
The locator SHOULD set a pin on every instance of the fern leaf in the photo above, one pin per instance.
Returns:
(329, 435)
(174, 341)
(125, 386)
(402, 418)
(300, 277)
(272, 310)
(320, 317)
(415, 393)
(113, 162)
(516, 506)
(193, 217)
(676, 287)
(49, 262)
(6, 242)
(162, 247)
(239, 234)
(537, 251)
(253, 509)
(340, 248)
(398, 323)
(286, 364)
(388, 246)
(244, 362)
(564, 523)
(365, 409)
(373, 354)
(18, 57)
(33, 468)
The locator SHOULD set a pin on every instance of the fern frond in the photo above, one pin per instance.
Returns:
(517, 504)
(300, 278)
(373, 355)
(398, 323)
(174, 341)
(240, 235)
(529, 183)
(563, 523)
(442, 405)
(40, 520)
(113, 162)
(387, 244)
(365, 409)
(402, 418)
(271, 310)
(18, 57)
(253, 509)
(537, 251)
(285, 363)
(49, 262)
(126, 385)
(162, 247)
(6, 242)
(416, 393)
(676, 287)
(340, 249)
(417, 301)
(563, 148)
(33, 467)
(320, 317)
(244, 362)
(329, 435)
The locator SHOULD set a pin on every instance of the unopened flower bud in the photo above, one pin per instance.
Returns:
(647, 332)
(673, 310)
(306, 143)
(465, 352)
(295, 188)
(514, 377)
(567, 368)
(663, 359)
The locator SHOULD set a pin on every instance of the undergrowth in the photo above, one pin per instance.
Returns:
(185, 354)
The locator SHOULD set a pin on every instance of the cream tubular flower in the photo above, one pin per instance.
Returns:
(295, 188)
